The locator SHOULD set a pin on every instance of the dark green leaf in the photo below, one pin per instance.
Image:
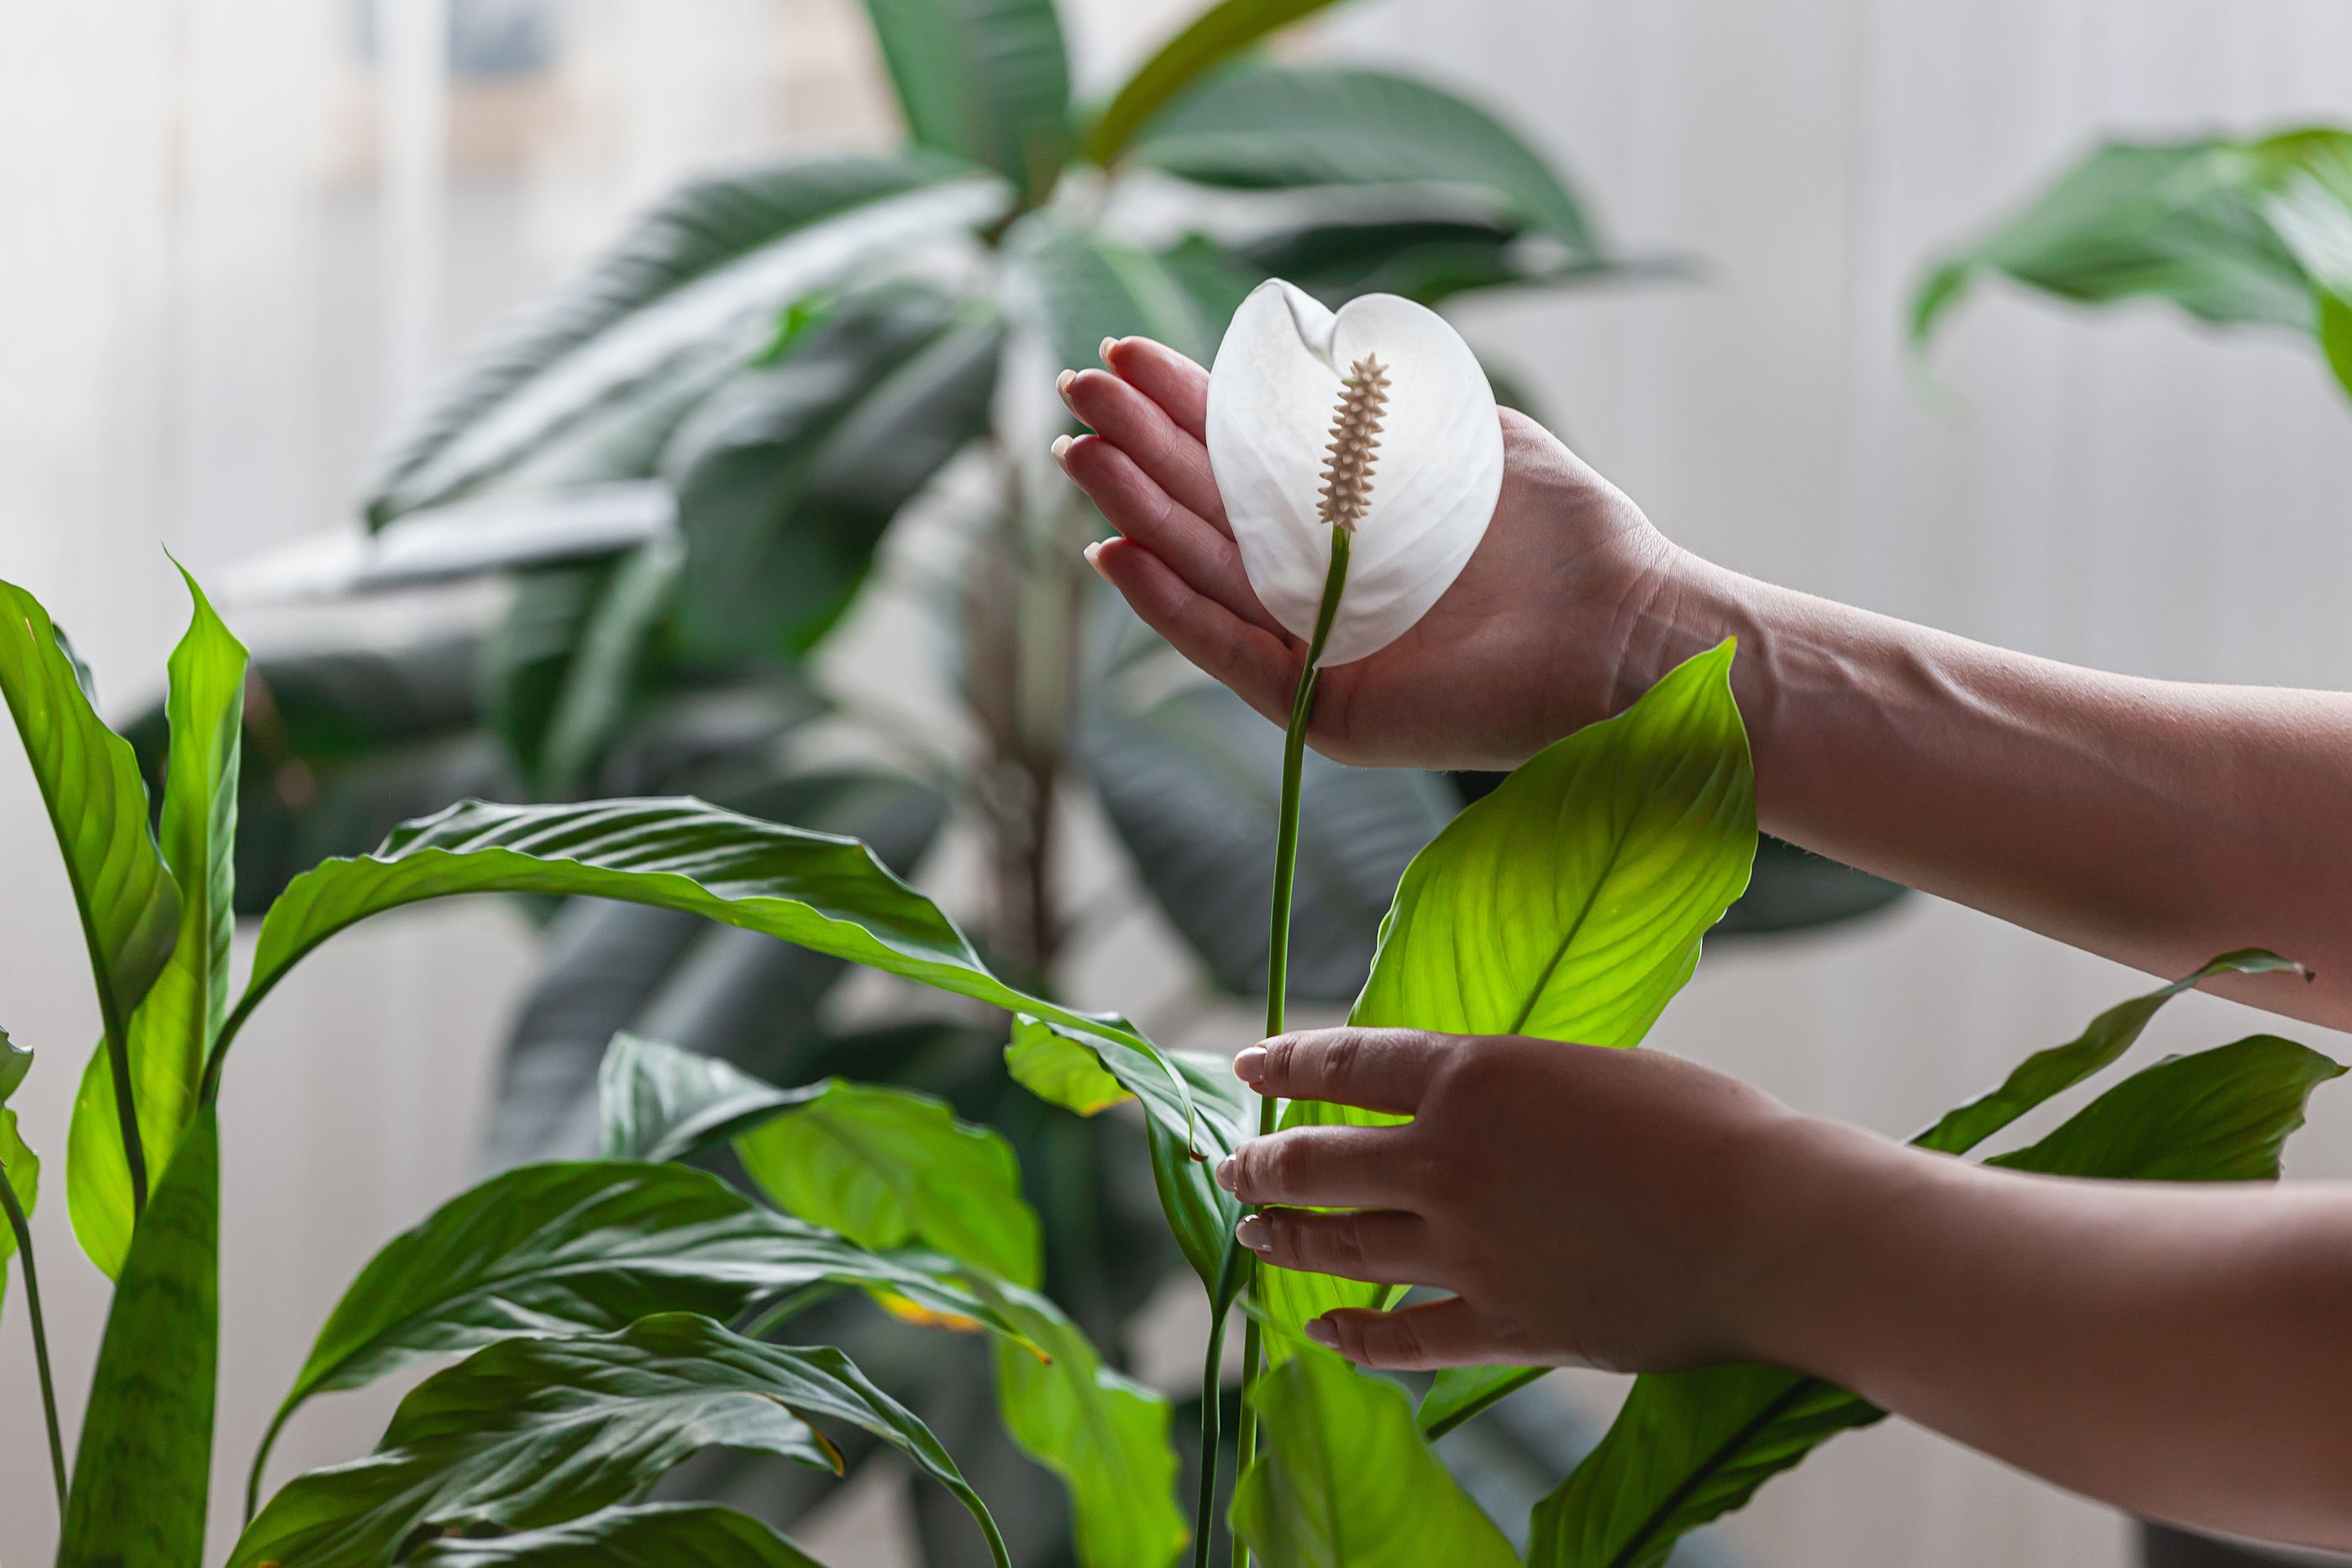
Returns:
(1201, 1215)
(1347, 1481)
(821, 892)
(1210, 39)
(788, 479)
(1797, 890)
(1270, 127)
(1074, 287)
(887, 1167)
(144, 1464)
(1191, 786)
(1458, 1393)
(985, 80)
(16, 1061)
(658, 1103)
(532, 1432)
(691, 287)
(174, 1026)
(651, 1535)
(575, 662)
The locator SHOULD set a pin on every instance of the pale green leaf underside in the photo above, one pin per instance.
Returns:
(651, 1535)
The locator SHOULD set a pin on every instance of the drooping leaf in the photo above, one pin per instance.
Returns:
(1270, 127)
(821, 892)
(788, 479)
(1201, 1215)
(658, 1103)
(1106, 1436)
(689, 286)
(1059, 1071)
(1690, 1446)
(144, 1465)
(1191, 786)
(175, 1023)
(1458, 1393)
(649, 1535)
(1076, 285)
(887, 1167)
(20, 1168)
(582, 1247)
(1208, 41)
(532, 1432)
(1567, 904)
(985, 80)
(1344, 1479)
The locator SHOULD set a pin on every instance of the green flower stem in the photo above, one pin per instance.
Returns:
(1277, 949)
(17, 1223)
(1212, 1398)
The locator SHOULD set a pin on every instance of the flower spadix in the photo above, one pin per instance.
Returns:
(1376, 419)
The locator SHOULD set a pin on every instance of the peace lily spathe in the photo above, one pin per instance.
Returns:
(1416, 476)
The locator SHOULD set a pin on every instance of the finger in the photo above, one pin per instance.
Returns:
(1252, 660)
(1377, 1069)
(1139, 427)
(1164, 376)
(1420, 1338)
(1381, 1245)
(1323, 1167)
(1140, 509)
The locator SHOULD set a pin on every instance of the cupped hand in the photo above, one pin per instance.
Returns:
(1623, 1209)
(1524, 647)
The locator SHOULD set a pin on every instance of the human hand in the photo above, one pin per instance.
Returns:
(1524, 647)
(1623, 1209)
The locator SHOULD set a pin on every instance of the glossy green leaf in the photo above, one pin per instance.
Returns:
(687, 292)
(16, 1061)
(985, 80)
(144, 1465)
(1105, 1436)
(1060, 1072)
(887, 1167)
(183, 1010)
(1459, 1393)
(1210, 39)
(1191, 786)
(788, 479)
(1271, 126)
(1690, 1446)
(1347, 1481)
(588, 1246)
(533, 1432)
(650, 1535)
(821, 892)
(22, 1169)
(1076, 285)
(658, 1103)
(1201, 1215)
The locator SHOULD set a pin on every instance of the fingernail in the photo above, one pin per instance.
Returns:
(1061, 447)
(1228, 1174)
(1108, 345)
(1322, 1333)
(1093, 553)
(1062, 384)
(1249, 1065)
(1254, 1234)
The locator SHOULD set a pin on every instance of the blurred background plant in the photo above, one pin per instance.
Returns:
(793, 386)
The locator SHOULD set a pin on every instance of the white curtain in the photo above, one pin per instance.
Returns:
(241, 233)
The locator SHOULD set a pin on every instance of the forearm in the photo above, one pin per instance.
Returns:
(2180, 1352)
(2153, 822)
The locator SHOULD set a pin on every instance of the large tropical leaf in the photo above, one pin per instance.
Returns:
(1347, 1481)
(174, 1026)
(985, 80)
(1208, 41)
(1270, 127)
(2256, 231)
(821, 892)
(1191, 787)
(787, 478)
(533, 1432)
(650, 1535)
(144, 1466)
(1690, 1446)
(658, 1103)
(1567, 904)
(888, 1167)
(690, 287)
(1074, 287)
(587, 1246)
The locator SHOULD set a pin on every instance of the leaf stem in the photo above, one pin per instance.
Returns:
(1212, 1399)
(23, 1231)
(1277, 948)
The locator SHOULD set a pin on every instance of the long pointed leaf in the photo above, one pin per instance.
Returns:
(985, 80)
(651, 1535)
(1210, 39)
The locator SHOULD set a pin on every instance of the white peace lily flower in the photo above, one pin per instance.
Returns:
(1377, 419)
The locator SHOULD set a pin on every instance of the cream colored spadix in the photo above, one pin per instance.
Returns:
(1377, 418)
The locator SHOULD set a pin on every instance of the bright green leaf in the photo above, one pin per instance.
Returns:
(16, 1061)
(1271, 126)
(23, 1175)
(1059, 1071)
(1210, 39)
(175, 1024)
(1345, 1479)
(144, 1465)
(651, 1535)
(533, 1432)
(658, 1103)
(888, 1167)
(985, 80)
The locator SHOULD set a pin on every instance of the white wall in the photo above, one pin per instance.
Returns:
(225, 260)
